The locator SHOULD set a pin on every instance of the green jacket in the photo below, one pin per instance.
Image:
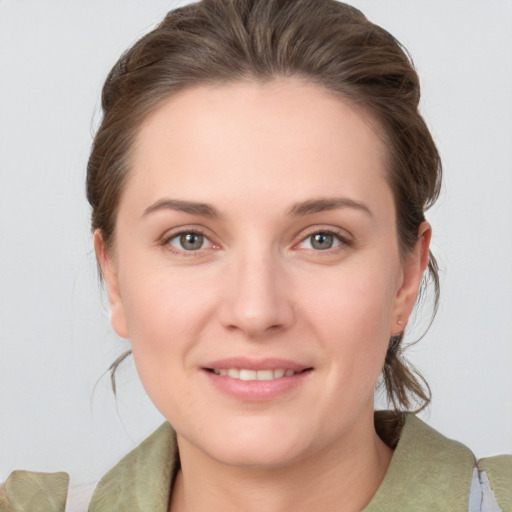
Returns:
(428, 472)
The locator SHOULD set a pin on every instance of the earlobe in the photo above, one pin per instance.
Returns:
(413, 269)
(109, 272)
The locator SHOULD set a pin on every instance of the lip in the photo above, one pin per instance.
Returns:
(256, 390)
(256, 364)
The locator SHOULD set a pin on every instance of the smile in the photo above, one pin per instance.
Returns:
(256, 380)
(246, 374)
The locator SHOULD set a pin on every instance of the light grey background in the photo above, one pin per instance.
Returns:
(57, 411)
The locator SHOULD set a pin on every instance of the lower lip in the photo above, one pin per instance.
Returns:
(257, 390)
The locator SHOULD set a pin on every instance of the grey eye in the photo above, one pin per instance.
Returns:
(322, 241)
(189, 241)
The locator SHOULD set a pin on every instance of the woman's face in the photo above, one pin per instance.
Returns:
(256, 269)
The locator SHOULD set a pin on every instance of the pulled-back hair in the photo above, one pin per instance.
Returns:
(325, 42)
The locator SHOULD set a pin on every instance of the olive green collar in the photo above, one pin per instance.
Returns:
(142, 479)
(427, 472)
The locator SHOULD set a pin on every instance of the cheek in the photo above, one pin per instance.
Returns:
(162, 301)
(166, 312)
(352, 317)
(358, 301)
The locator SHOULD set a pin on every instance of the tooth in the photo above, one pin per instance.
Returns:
(247, 374)
(264, 374)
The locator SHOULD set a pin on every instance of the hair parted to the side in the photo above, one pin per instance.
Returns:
(324, 42)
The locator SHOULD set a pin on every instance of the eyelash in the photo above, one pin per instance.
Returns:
(166, 242)
(343, 241)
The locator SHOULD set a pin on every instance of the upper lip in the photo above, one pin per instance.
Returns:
(256, 364)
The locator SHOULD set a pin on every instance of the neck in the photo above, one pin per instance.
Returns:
(344, 477)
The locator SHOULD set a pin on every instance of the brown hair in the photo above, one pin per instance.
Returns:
(323, 41)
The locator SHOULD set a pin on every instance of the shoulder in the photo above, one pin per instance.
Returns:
(428, 471)
(27, 491)
(139, 481)
(496, 473)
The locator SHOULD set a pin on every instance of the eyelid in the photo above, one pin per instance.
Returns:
(345, 239)
(173, 233)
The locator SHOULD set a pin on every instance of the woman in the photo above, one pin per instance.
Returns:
(258, 187)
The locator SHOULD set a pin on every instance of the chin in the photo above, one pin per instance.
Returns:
(265, 455)
(261, 444)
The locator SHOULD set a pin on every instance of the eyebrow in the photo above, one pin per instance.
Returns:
(193, 208)
(297, 210)
(324, 204)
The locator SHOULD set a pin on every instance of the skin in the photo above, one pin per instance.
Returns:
(257, 287)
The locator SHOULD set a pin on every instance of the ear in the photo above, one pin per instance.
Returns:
(412, 272)
(109, 271)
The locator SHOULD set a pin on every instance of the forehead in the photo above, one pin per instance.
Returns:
(283, 137)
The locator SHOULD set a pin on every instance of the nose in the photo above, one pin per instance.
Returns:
(256, 299)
